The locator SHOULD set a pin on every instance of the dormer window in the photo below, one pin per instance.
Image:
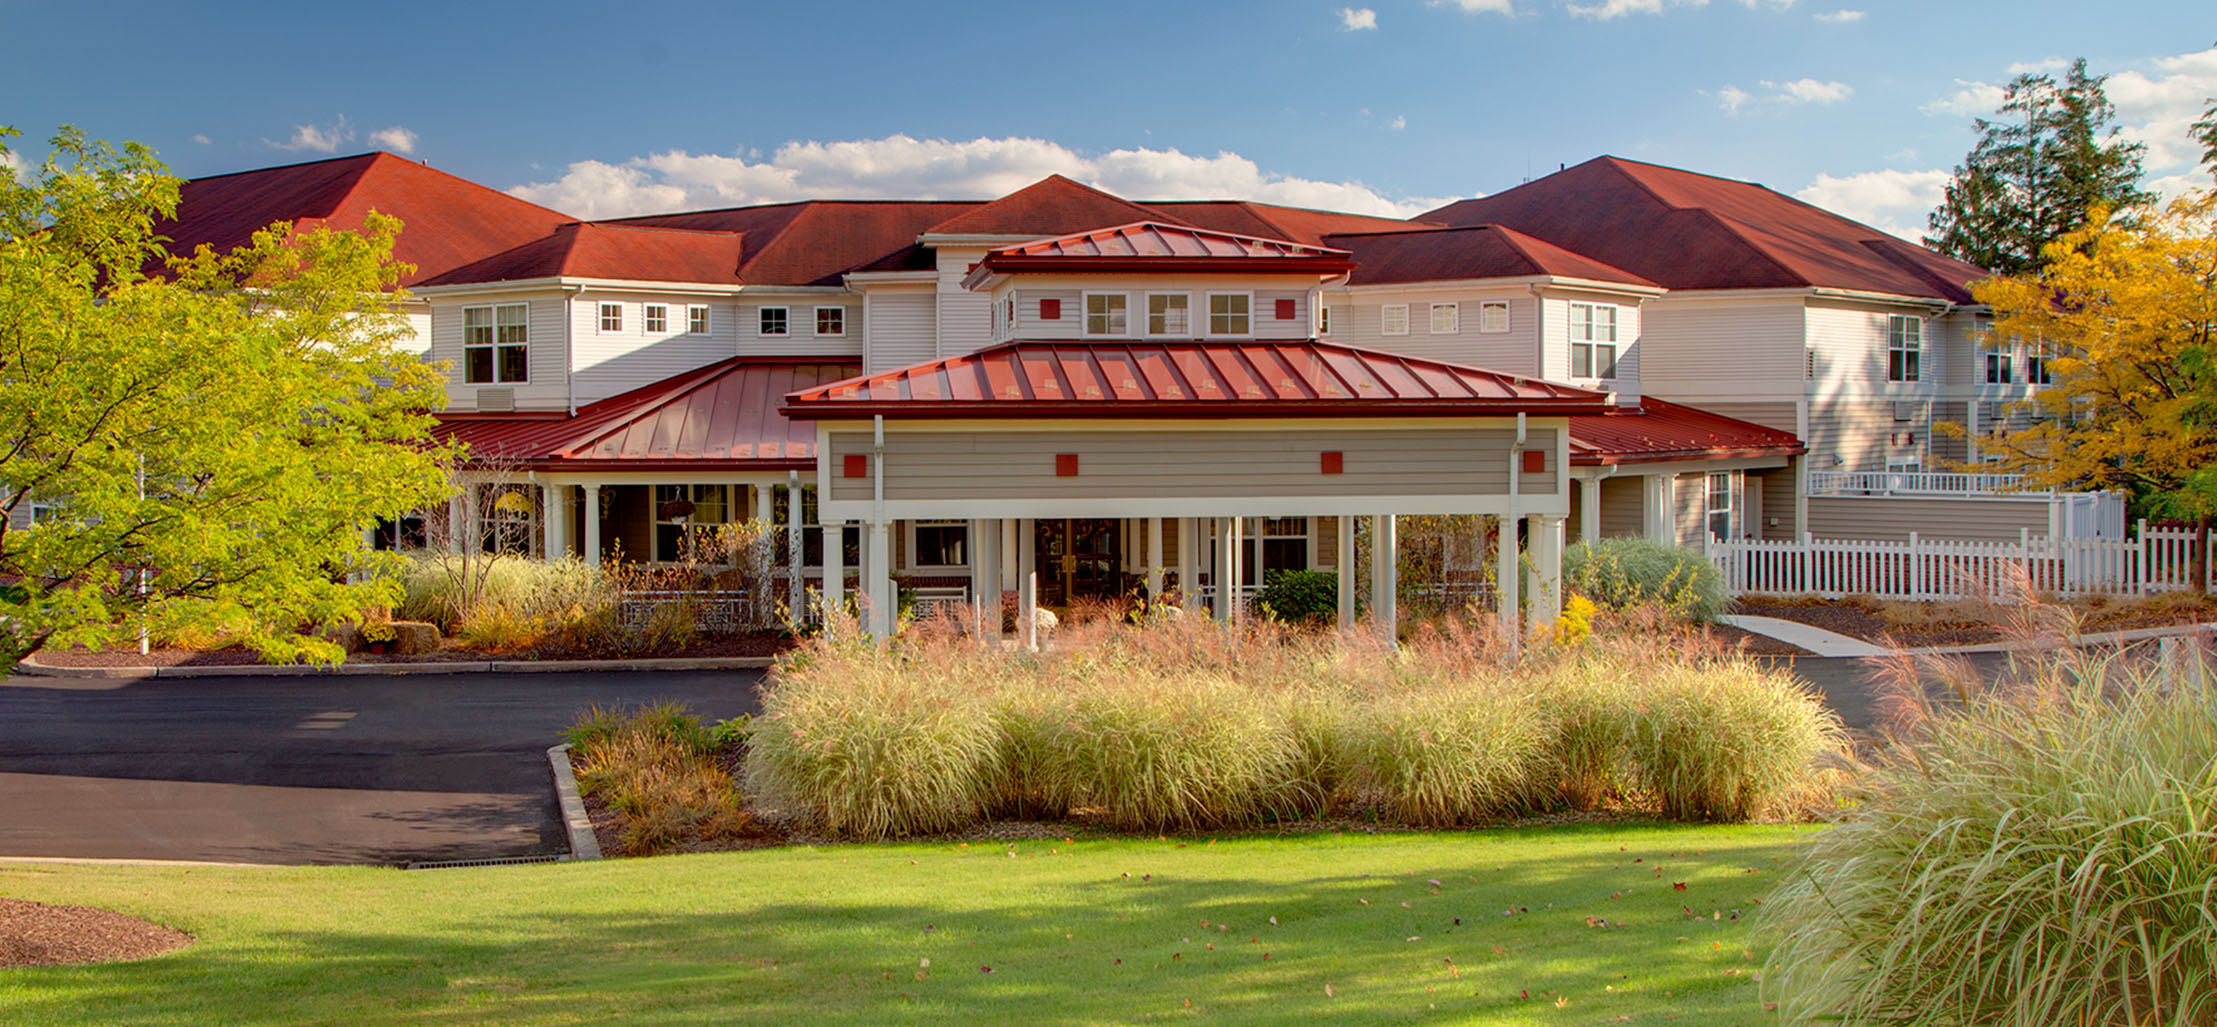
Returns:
(773, 321)
(1593, 340)
(1167, 314)
(1229, 314)
(1105, 314)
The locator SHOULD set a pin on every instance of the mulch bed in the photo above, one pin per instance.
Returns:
(36, 934)
(1857, 621)
(755, 644)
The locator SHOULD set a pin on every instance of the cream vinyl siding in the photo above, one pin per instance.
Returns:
(1862, 434)
(1262, 309)
(1778, 489)
(1695, 349)
(418, 339)
(1851, 344)
(1622, 506)
(1894, 517)
(1690, 504)
(1071, 323)
(963, 319)
(1556, 352)
(1264, 315)
(1021, 465)
(616, 362)
(548, 388)
(1355, 322)
(899, 327)
(1945, 446)
(800, 338)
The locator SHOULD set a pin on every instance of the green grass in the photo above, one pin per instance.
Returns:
(1090, 932)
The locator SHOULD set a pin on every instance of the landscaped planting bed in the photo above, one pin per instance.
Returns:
(1980, 621)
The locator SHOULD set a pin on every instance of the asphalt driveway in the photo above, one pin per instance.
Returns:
(366, 769)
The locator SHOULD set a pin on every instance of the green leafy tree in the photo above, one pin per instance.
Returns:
(2205, 133)
(2048, 159)
(205, 440)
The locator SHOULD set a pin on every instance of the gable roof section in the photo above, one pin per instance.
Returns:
(817, 242)
(1685, 230)
(1660, 431)
(592, 250)
(1311, 378)
(1478, 251)
(446, 221)
(1151, 246)
(722, 415)
(1298, 224)
(1054, 205)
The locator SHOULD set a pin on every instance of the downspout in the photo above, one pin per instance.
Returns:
(882, 598)
(569, 347)
(1316, 297)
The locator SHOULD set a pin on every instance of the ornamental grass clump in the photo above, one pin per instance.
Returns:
(655, 768)
(2043, 851)
(1170, 753)
(1451, 755)
(1719, 739)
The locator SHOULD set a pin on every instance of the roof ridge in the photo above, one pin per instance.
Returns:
(287, 167)
(392, 159)
(804, 203)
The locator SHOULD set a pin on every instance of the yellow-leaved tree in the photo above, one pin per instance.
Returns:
(2127, 314)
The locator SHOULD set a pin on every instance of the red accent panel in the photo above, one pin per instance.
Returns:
(1066, 465)
(1285, 310)
(1050, 310)
(1535, 461)
(1334, 461)
(858, 465)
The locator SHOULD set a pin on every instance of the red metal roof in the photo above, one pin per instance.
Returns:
(1477, 251)
(612, 251)
(1656, 431)
(1686, 230)
(1188, 379)
(725, 415)
(1053, 205)
(1151, 246)
(445, 221)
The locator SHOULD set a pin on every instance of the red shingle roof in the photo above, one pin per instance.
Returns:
(1152, 247)
(445, 221)
(1656, 430)
(612, 251)
(1299, 224)
(816, 242)
(1685, 230)
(724, 415)
(1310, 378)
(1479, 251)
(1054, 205)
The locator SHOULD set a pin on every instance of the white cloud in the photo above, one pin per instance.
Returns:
(396, 139)
(1731, 98)
(201, 139)
(1356, 19)
(1974, 99)
(902, 167)
(1398, 123)
(1477, 6)
(16, 167)
(2158, 107)
(1608, 9)
(318, 138)
(1891, 201)
(1809, 90)
(1842, 16)
(2041, 66)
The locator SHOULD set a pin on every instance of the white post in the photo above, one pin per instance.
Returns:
(1385, 556)
(1506, 569)
(457, 519)
(1547, 569)
(1220, 569)
(1235, 584)
(1346, 525)
(1659, 518)
(1027, 586)
(1589, 509)
(884, 602)
(473, 523)
(2140, 552)
(591, 513)
(983, 575)
(1153, 567)
(834, 585)
(795, 600)
(554, 511)
(1916, 570)
(1189, 582)
(1010, 540)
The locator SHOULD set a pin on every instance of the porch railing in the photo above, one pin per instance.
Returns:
(1879, 483)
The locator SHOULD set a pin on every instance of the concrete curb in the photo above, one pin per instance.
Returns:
(583, 845)
(32, 667)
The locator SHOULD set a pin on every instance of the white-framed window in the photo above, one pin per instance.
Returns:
(43, 510)
(938, 544)
(812, 531)
(831, 320)
(1169, 313)
(774, 322)
(1723, 511)
(1999, 362)
(657, 318)
(1593, 340)
(1230, 313)
(1393, 319)
(1107, 313)
(2037, 357)
(496, 344)
(508, 519)
(611, 318)
(1904, 348)
(1493, 316)
(1447, 319)
(696, 319)
(684, 515)
(1913, 464)
(1323, 320)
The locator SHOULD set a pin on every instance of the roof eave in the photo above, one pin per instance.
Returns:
(837, 410)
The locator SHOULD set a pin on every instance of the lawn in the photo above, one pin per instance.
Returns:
(1489, 927)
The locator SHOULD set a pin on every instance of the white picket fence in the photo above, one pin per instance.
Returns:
(1922, 568)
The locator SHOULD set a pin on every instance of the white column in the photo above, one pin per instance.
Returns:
(1153, 558)
(1385, 558)
(1507, 569)
(884, 604)
(1656, 513)
(1189, 580)
(1346, 525)
(591, 513)
(457, 519)
(1589, 509)
(1239, 569)
(985, 576)
(1027, 585)
(1220, 574)
(1011, 538)
(795, 598)
(835, 570)
(473, 528)
(1547, 569)
(554, 508)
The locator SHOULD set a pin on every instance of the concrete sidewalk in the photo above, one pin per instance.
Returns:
(1816, 640)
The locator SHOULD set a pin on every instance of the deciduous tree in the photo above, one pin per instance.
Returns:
(206, 439)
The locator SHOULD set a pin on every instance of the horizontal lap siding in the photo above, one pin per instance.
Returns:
(901, 330)
(1355, 322)
(1016, 465)
(1069, 322)
(800, 323)
(1692, 500)
(1782, 416)
(1265, 315)
(1696, 350)
(1862, 434)
(1778, 489)
(1888, 517)
(613, 363)
(1622, 505)
(548, 326)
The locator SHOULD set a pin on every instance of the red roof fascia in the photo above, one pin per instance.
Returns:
(1180, 265)
(1657, 431)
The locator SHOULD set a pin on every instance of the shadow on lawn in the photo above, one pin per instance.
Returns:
(692, 941)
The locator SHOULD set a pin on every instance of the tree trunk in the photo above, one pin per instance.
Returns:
(2198, 562)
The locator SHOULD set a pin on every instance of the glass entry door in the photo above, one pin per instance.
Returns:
(1077, 559)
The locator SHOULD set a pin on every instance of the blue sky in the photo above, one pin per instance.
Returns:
(1378, 105)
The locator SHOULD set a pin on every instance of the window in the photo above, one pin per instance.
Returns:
(940, 543)
(1323, 320)
(1593, 340)
(43, 510)
(611, 317)
(1721, 521)
(1493, 316)
(773, 322)
(1274, 544)
(1228, 314)
(1167, 314)
(696, 320)
(507, 519)
(2036, 365)
(1447, 318)
(1105, 314)
(812, 533)
(1998, 361)
(411, 534)
(1393, 319)
(685, 518)
(495, 344)
(831, 320)
(657, 318)
(1904, 348)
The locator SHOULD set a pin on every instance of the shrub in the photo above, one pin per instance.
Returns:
(653, 768)
(2042, 854)
(1720, 739)
(1624, 572)
(451, 589)
(1301, 597)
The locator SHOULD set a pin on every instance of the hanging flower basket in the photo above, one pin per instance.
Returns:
(675, 510)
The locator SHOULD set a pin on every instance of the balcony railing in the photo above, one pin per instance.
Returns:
(1882, 483)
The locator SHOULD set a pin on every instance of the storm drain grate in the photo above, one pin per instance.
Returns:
(494, 861)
